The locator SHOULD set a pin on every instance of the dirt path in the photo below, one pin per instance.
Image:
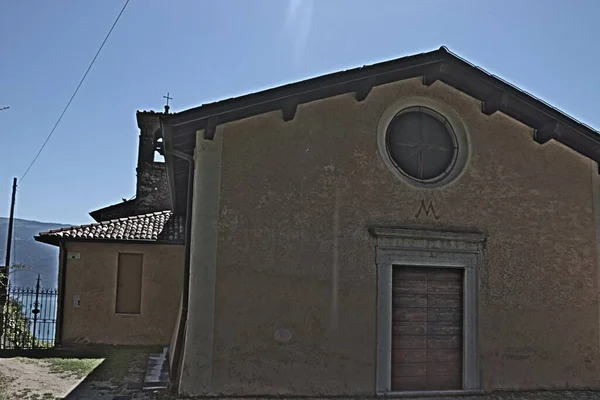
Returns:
(26, 378)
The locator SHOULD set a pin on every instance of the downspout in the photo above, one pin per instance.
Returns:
(180, 341)
(61, 292)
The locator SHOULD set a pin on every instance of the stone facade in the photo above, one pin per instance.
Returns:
(287, 272)
(152, 189)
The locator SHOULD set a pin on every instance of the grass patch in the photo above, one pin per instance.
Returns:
(80, 367)
(113, 365)
(118, 360)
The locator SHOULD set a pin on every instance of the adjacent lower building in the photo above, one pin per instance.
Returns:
(120, 279)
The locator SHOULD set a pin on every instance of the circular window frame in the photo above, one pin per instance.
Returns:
(440, 111)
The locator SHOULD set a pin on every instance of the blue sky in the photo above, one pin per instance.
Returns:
(203, 50)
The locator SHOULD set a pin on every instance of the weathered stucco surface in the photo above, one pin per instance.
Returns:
(289, 188)
(94, 278)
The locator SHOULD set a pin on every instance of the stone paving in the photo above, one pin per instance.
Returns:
(535, 395)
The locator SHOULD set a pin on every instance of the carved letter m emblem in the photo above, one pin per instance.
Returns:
(427, 210)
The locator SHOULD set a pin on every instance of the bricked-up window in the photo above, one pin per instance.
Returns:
(129, 283)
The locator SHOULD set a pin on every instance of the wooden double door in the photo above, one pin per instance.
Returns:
(427, 329)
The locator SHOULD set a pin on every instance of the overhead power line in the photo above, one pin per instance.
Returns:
(75, 92)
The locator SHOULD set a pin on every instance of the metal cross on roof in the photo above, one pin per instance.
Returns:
(167, 105)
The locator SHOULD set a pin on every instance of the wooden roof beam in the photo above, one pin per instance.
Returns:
(435, 73)
(363, 89)
(551, 130)
(288, 110)
(496, 102)
(210, 129)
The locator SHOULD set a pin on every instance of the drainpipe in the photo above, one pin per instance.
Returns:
(180, 341)
(61, 291)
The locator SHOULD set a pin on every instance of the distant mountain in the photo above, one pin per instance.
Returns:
(40, 257)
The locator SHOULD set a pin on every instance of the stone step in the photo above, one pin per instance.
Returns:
(157, 374)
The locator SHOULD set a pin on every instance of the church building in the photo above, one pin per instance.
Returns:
(417, 226)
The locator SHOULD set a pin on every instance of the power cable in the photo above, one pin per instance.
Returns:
(75, 92)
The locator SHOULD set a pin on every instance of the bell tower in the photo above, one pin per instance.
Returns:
(152, 190)
(152, 187)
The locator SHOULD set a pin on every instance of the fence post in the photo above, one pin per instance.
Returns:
(3, 302)
(35, 310)
(5, 270)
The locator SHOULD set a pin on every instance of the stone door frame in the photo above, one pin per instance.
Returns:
(427, 248)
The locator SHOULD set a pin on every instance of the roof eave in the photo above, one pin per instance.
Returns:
(287, 97)
(52, 240)
(55, 241)
(495, 95)
(96, 214)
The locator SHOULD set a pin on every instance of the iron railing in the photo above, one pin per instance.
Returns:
(29, 317)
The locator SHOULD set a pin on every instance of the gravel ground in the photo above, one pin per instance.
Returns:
(91, 373)
(121, 375)
(106, 385)
(30, 379)
(537, 395)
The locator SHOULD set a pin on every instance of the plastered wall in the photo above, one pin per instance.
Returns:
(295, 304)
(93, 280)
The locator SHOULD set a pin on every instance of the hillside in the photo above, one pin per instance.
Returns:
(42, 258)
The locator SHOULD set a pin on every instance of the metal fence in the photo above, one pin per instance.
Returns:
(29, 317)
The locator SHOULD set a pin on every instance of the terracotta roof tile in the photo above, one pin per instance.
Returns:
(160, 226)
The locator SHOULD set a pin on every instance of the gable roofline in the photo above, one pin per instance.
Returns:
(495, 94)
(431, 64)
